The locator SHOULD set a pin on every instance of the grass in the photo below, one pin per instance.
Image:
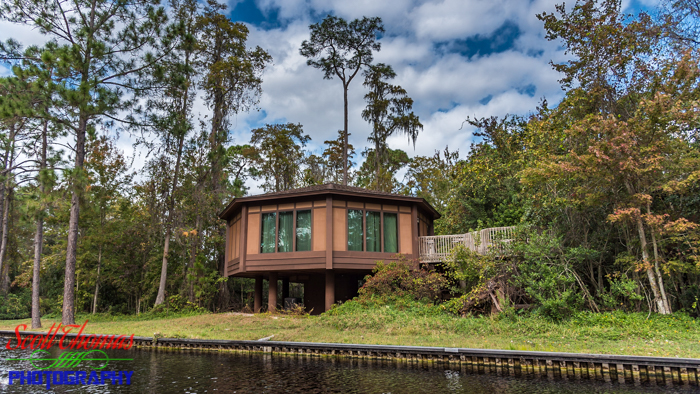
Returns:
(415, 324)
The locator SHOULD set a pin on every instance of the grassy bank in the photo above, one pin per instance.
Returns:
(414, 324)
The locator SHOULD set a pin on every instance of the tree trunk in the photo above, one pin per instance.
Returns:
(160, 298)
(661, 307)
(345, 133)
(7, 192)
(39, 236)
(97, 281)
(71, 250)
(376, 158)
(38, 243)
(656, 266)
(4, 265)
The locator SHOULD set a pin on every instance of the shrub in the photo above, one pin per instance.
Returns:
(16, 305)
(398, 279)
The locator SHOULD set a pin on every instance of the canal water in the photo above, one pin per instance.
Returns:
(160, 371)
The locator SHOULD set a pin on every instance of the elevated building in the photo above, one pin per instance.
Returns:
(327, 237)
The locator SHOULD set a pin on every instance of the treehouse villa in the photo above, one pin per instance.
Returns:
(328, 238)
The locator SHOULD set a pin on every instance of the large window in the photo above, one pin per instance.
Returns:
(280, 231)
(391, 239)
(373, 231)
(267, 238)
(286, 232)
(355, 230)
(303, 231)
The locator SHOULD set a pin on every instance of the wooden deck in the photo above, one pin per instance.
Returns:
(437, 248)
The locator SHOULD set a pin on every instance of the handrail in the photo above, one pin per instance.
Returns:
(437, 248)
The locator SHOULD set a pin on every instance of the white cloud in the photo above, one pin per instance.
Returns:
(446, 87)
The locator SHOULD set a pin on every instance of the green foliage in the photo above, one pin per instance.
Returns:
(280, 155)
(16, 305)
(401, 278)
(546, 274)
(466, 267)
(392, 161)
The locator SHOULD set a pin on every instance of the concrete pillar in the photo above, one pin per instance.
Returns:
(330, 289)
(285, 289)
(257, 303)
(272, 293)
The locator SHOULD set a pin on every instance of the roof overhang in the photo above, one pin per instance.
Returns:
(291, 194)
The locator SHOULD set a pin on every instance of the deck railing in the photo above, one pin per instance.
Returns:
(437, 248)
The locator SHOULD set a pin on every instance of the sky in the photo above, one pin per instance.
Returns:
(455, 58)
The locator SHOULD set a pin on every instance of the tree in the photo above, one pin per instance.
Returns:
(232, 83)
(338, 159)
(174, 78)
(387, 110)
(102, 44)
(626, 121)
(342, 49)
(107, 177)
(393, 161)
(281, 155)
(431, 177)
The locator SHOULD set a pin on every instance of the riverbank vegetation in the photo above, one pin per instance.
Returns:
(417, 324)
(603, 185)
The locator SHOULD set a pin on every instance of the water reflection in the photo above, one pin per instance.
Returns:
(210, 372)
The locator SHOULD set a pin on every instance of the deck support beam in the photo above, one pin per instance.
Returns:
(257, 303)
(330, 289)
(272, 293)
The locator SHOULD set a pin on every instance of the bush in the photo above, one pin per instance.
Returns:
(16, 305)
(399, 279)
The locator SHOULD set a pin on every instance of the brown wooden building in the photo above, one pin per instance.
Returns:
(327, 237)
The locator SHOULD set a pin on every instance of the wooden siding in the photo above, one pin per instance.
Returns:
(233, 267)
(354, 204)
(350, 260)
(405, 234)
(286, 261)
(340, 228)
(318, 233)
(253, 234)
(234, 240)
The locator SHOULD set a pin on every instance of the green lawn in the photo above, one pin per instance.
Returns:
(613, 333)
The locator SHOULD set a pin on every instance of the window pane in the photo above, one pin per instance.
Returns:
(286, 231)
(374, 233)
(303, 231)
(391, 244)
(267, 240)
(355, 230)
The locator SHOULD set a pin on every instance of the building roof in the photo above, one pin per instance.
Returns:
(328, 188)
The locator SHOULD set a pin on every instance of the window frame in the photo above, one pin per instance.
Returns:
(398, 227)
(311, 227)
(277, 212)
(381, 212)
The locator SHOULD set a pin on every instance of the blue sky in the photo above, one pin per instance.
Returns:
(455, 58)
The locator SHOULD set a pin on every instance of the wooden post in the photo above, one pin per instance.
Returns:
(244, 241)
(329, 232)
(272, 293)
(257, 303)
(330, 289)
(414, 230)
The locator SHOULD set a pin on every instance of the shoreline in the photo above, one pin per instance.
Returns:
(607, 367)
